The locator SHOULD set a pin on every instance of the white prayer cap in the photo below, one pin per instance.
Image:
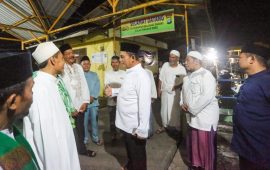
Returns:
(195, 54)
(44, 51)
(175, 52)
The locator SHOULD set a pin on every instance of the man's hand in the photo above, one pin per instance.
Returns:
(139, 137)
(159, 92)
(184, 107)
(175, 87)
(83, 107)
(91, 99)
(108, 91)
(75, 113)
(159, 88)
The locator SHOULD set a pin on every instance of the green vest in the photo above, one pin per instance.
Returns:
(16, 154)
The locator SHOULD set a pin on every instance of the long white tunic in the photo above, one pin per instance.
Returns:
(134, 102)
(170, 108)
(47, 127)
(114, 79)
(76, 85)
(199, 93)
(153, 84)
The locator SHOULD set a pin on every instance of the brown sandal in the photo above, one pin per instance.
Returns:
(160, 130)
(90, 153)
(99, 143)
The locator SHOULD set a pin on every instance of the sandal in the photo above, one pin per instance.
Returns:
(99, 142)
(160, 130)
(90, 153)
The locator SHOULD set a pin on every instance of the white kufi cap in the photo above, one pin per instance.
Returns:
(44, 51)
(195, 54)
(175, 52)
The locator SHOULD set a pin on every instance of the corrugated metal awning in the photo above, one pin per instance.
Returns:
(28, 19)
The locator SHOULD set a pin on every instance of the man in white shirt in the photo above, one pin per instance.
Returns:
(114, 79)
(170, 81)
(133, 107)
(47, 127)
(200, 103)
(74, 79)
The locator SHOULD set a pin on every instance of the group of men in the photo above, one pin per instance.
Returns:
(251, 118)
(195, 94)
(58, 95)
(62, 95)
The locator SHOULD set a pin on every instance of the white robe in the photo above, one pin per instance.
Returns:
(76, 85)
(170, 109)
(47, 127)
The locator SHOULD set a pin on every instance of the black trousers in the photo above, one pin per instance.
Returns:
(136, 152)
(112, 112)
(245, 164)
(79, 133)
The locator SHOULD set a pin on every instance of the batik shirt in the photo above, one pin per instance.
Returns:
(66, 99)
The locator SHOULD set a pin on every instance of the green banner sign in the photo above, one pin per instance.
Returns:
(148, 24)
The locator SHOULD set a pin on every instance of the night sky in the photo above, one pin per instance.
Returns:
(239, 21)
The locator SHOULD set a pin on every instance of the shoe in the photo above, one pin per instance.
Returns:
(90, 153)
(160, 130)
(86, 142)
(99, 142)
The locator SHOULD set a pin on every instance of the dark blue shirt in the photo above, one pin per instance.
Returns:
(251, 119)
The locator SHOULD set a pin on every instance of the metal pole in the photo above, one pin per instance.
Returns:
(186, 24)
(9, 39)
(5, 27)
(179, 15)
(181, 4)
(34, 36)
(22, 45)
(114, 5)
(61, 15)
(36, 12)
(32, 40)
(22, 21)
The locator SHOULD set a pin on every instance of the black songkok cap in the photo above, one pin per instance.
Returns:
(85, 58)
(128, 47)
(65, 47)
(257, 48)
(15, 67)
